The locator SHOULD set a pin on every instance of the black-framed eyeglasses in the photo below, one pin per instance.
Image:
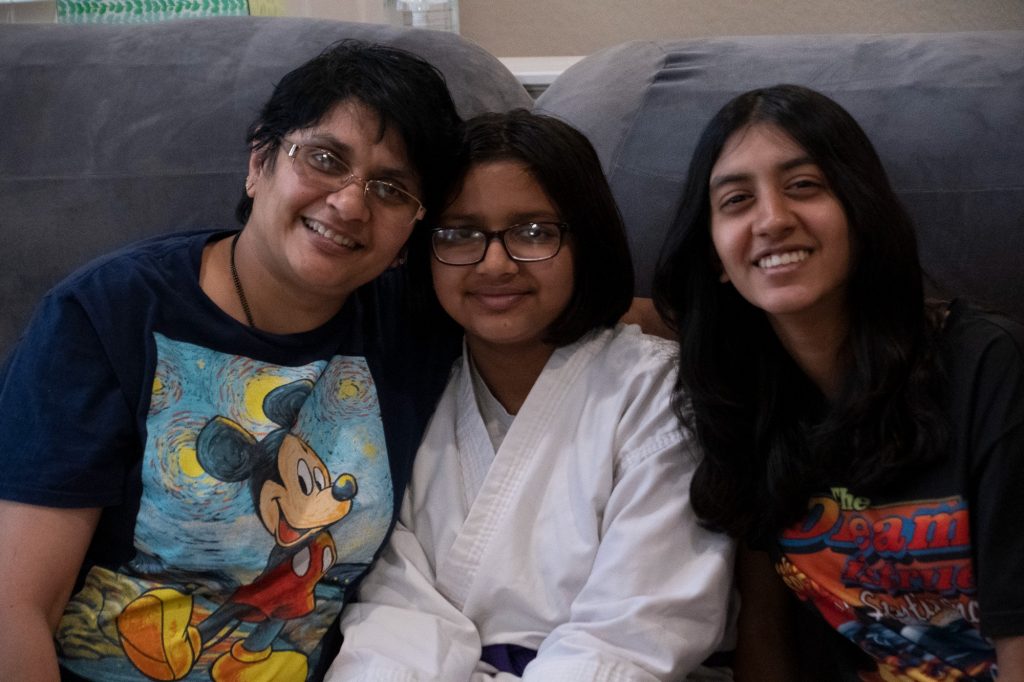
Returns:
(525, 243)
(323, 169)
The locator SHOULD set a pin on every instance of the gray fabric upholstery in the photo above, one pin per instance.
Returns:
(945, 111)
(112, 132)
(116, 132)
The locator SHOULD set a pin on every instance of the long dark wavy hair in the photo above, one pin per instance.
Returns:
(770, 438)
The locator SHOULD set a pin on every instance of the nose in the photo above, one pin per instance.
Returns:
(344, 488)
(350, 200)
(774, 216)
(496, 259)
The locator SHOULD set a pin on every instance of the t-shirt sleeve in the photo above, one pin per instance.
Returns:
(997, 481)
(66, 427)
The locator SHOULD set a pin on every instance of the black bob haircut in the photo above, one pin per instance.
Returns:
(565, 165)
(405, 92)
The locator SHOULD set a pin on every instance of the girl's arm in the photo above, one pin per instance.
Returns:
(1010, 657)
(765, 649)
(43, 552)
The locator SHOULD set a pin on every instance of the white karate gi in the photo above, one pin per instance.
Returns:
(578, 540)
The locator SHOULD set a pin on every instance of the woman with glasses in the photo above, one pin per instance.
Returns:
(547, 532)
(869, 441)
(206, 434)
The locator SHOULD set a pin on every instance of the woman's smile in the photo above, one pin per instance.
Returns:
(779, 231)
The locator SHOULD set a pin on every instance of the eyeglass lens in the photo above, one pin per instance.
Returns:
(526, 242)
(323, 169)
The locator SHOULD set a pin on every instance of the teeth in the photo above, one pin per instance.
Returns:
(326, 233)
(777, 259)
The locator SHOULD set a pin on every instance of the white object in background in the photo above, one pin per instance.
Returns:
(537, 73)
(440, 15)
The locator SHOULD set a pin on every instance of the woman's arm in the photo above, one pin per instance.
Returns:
(43, 552)
(765, 649)
(1010, 658)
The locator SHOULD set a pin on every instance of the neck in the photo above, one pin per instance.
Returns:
(274, 308)
(815, 345)
(509, 373)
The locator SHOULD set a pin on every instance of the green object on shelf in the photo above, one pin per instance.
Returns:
(140, 11)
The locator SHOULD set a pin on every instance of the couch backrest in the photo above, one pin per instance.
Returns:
(945, 111)
(111, 133)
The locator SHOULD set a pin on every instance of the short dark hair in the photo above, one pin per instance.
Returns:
(738, 388)
(564, 163)
(403, 90)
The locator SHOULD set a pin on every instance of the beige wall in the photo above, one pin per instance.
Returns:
(509, 28)
(528, 28)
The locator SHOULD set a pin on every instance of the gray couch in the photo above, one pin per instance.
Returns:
(944, 110)
(113, 133)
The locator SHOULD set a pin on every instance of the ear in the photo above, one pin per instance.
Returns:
(400, 258)
(257, 161)
(223, 448)
(723, 276)
(283, 404)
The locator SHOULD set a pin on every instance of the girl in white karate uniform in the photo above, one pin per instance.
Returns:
(547, 532)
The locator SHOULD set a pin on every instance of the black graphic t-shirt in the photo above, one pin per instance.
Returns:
(921, 578)
(248, 479)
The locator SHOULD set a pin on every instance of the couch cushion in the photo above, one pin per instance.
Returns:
(116, 132)
(945, 111)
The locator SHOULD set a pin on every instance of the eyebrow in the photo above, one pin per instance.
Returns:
(719, 180)
(336, 146)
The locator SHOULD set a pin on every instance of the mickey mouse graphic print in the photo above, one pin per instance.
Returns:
(256, 478)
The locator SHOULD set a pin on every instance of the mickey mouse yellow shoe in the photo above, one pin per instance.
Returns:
(156, 634)
(242, 665)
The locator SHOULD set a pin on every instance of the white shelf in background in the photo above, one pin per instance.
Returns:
(537, 73)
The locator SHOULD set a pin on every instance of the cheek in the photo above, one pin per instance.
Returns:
(720, 244)
(557, 282)
(445, 278)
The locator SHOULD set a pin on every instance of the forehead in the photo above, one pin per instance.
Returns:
(503, 188)
(757, 143)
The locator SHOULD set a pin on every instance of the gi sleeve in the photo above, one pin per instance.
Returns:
(402, 629)
(655, 603)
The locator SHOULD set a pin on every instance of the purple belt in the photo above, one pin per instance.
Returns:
(508, 658)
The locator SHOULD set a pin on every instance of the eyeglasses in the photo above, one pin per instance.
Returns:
(323, 169)
(525, 243)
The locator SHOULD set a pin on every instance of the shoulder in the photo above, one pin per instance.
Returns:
(163, 259)
(117, 298)
(975, 335)
(633, 374)
(634, 352)
(983, 359)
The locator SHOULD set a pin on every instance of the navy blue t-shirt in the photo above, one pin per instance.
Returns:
(247, 479)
